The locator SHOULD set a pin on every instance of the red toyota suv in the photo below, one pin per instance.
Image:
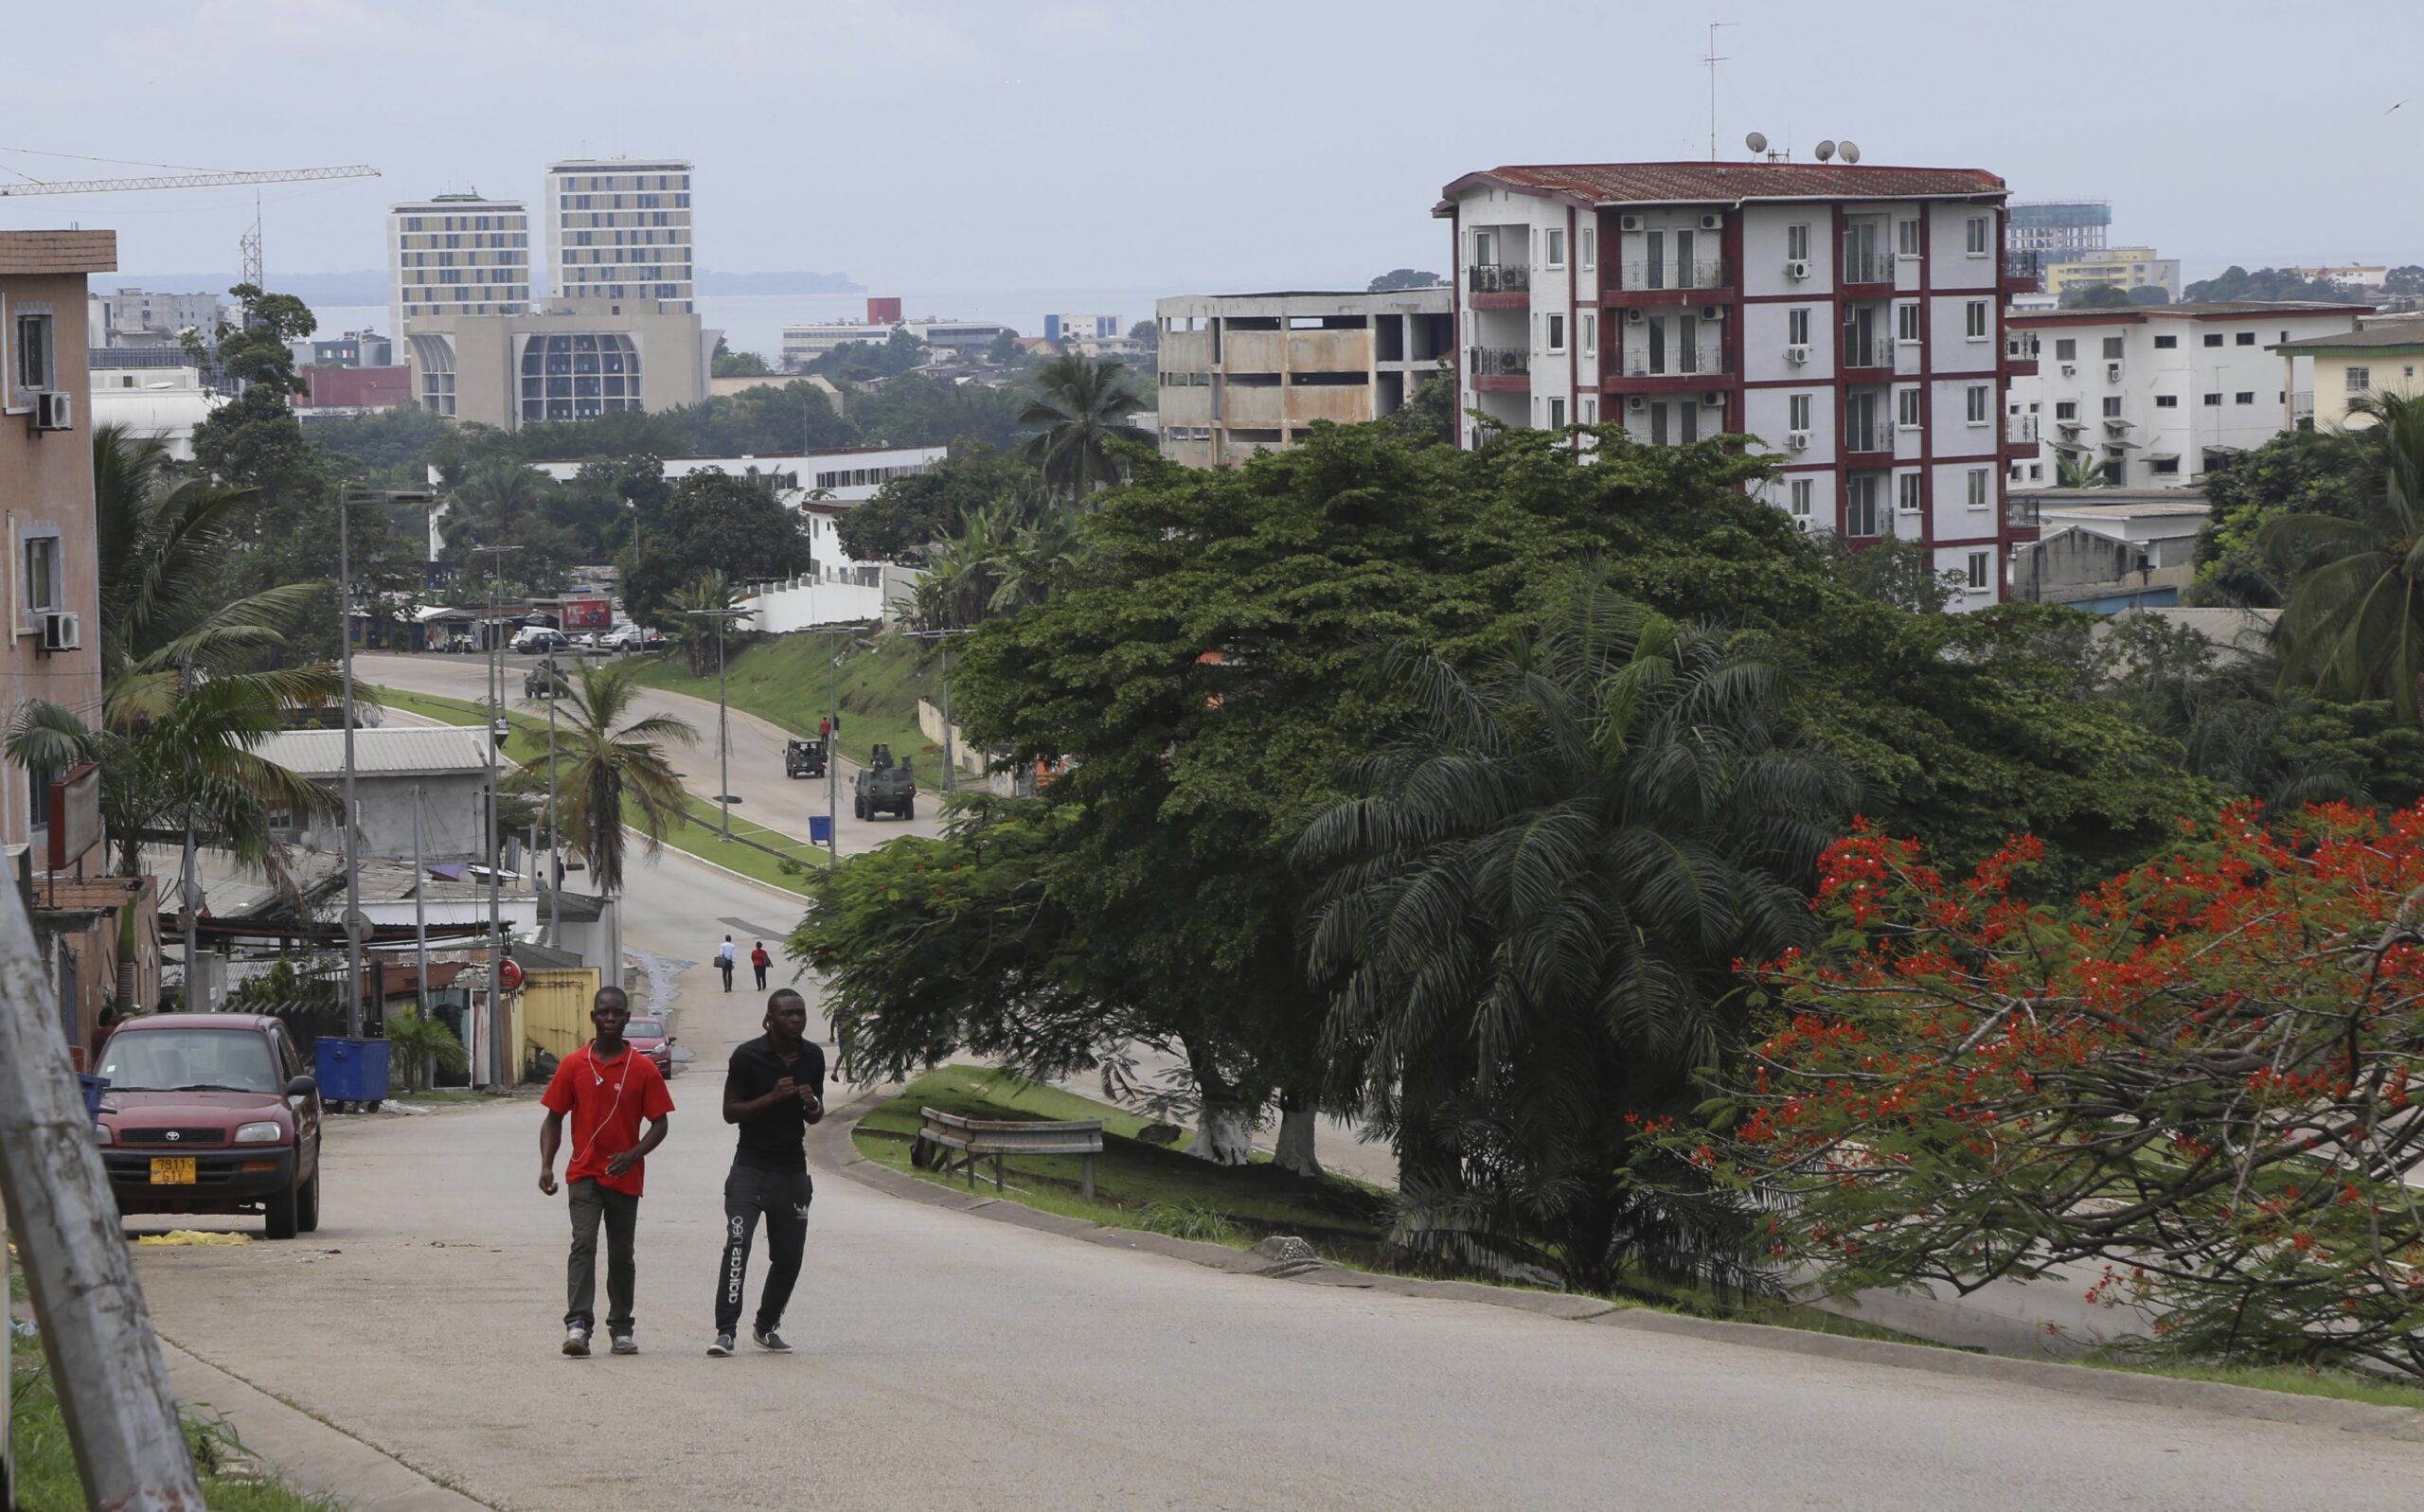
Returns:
(211, 1113)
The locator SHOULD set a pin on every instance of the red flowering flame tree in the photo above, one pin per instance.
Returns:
(2193, 1083)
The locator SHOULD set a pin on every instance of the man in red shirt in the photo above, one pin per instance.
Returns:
(608, 1091)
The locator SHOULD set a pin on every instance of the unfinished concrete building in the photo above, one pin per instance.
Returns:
(1244, 373)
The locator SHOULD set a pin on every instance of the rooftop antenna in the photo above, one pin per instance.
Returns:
(1712, 60)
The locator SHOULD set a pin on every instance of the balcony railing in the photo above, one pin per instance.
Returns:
(1878, 352)
(1667, 273)
(1499, 362)
(2301, 410)
(2020, 511)
(1707, 363)
(2028, 265)
(2020, 430)
(1876, 267)
(1877, 435)
(1499, 278)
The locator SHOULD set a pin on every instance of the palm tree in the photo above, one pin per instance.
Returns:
(1038, 557)
(183, 696)
(1083, 407)
(603, 758)
(2353, 627)
(2076, 468)
(1530, 914)
(695, 608)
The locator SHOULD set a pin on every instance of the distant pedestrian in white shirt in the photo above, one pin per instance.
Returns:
(727, 954)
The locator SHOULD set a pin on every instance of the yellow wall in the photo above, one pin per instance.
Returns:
(554, 1009)
(2389, 370)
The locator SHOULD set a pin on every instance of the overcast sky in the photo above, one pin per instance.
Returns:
(1218, 144)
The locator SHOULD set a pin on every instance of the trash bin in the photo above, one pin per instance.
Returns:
(351, 1072)
(94, 1087)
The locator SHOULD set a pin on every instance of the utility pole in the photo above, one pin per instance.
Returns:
(951, 757)
(555, 842)
(105, 1360)
(345, 712)
(500, 1063)
(420, 916)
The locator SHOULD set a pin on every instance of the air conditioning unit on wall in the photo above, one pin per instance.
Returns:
(1713, 396)
(54, 411)
(1637, 404)
(1796, 268)
(61, 632)
(1712, 312)
(1796, 441)
(1634, 317)
(1797, 353)
(1629, 223)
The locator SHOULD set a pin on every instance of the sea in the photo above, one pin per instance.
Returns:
(754, 323)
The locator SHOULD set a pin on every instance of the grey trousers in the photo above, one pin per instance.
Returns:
(590, 1202)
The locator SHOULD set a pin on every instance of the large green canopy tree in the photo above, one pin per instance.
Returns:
(2353, 627)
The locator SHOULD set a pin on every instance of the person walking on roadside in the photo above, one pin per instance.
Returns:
(773, 1089)
(728, 955)
(759, 961)
(608, 1091)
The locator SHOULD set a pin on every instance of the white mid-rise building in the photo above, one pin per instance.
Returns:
(457, 254)
(1851, 317)
(842, 474)
(808, 341)
(2154, 397)
(140, 317)
(620, 228)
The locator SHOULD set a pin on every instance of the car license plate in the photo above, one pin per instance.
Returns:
(174, 1170)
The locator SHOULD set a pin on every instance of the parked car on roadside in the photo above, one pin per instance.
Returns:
(531, 638)
(211, 1113)
(649, 1038)
(623, 637)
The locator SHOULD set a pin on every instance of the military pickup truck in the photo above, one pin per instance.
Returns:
(545, 681)
(804, 758)
(883, 788)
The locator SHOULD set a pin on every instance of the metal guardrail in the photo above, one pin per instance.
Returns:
(1878, 267)
(948, 1142)
(1703, 365)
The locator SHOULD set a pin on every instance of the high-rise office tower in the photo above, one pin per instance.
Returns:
(620, 228)
(457, 254)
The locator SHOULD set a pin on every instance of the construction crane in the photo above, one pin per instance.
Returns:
(248, 246)
(187, 181)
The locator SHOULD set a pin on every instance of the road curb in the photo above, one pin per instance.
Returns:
(308, 1454)
(830, 1145)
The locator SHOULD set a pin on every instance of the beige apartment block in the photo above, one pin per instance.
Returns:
(564, 360)
(2122, 268)
(1247, 373)
(2385, 357)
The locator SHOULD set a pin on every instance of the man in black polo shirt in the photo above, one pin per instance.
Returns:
(773, 1090)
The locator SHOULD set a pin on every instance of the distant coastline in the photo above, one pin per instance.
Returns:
(369, 287)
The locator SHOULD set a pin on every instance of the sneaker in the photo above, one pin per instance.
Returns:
(625, 1344)
(768, 1339)
(576, 1342)
(722, 1345)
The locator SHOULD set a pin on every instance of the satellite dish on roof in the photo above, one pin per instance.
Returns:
(1757, 141)
(1850, 152)
(1824, 151)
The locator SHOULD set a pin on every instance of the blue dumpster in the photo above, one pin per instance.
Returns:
(350, 1071)
(94, 1087)
(820, 829)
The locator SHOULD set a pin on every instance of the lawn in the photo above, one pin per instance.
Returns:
(47, 1480)
(784, 680)
(529, 742)
(1137, 1185)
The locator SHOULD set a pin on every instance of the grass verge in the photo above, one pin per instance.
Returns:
(1137, 1185)
(47, 1478)
(529, 742)
(784, 680)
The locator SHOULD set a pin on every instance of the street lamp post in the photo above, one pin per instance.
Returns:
(498, 1064)
(951, 757)
(346, 499)
(724, 722)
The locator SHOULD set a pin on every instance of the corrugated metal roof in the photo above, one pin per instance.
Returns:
(422, 751)
(1730, 183)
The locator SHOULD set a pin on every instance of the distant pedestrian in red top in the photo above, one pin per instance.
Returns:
(608, 1091)
(759, 961)
(824, 727)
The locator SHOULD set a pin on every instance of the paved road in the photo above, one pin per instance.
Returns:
(949, 1361)
(767, 795)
